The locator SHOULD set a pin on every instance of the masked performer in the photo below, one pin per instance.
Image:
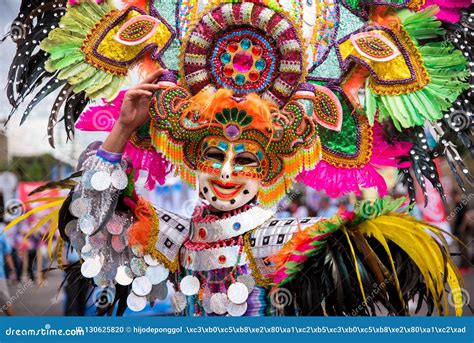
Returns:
(270, 92)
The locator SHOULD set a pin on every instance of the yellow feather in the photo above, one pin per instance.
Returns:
(43, 220)
(355, 263)
(371, 230)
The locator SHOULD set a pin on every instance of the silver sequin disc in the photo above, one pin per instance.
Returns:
(98, 240)
(157, 274)
(237, 310)
(158, 292)
(100, 280)
(206, 301)
(87, 224)
(119, 179)
(100, 181)
(71, 227)
(137, 251)
(189, 285)
(138, 266)
(115, 225)
(141, 286)
(248, 280)
(91, 267)
(124, 276)
(88, 252)
(150, 260)
(117, 243)
(135, 302)
(238, 293)
(86, 179)
(178, 300)
(110, 269)
(77, 240)
(79, 207)
(219, 303)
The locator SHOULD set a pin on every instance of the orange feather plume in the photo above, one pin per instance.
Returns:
(208, 104)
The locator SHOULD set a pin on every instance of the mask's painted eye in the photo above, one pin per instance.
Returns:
(246, 159)
(214, 154)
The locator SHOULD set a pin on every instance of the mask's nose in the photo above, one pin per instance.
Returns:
(226, 171)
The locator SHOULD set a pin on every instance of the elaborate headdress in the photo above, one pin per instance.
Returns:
(399, 58)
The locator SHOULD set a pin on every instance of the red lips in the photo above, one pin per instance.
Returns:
(225, 190)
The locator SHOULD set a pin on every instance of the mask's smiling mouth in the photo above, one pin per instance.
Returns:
(226, 190)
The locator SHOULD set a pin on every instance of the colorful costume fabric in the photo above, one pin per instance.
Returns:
(269, 93)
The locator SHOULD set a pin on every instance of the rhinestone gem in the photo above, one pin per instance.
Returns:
(260, 64)
(245, 43)
(232, 47)
(225, 58)
(240, 79)
(242, 61)
(232, 131)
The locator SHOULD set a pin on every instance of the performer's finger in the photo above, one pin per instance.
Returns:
(135, 93)
(148, 86)
(153, 76)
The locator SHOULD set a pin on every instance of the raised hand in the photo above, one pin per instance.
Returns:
(134, 113)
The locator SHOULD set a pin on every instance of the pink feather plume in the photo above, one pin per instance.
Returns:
(339, 181)
(102, 118)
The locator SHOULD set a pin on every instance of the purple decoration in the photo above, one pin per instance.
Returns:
(111, 157)
(169, 76)
(232, 131)
(306, 87)
(243, 61)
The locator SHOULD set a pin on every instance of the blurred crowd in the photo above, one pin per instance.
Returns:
(27, 260)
